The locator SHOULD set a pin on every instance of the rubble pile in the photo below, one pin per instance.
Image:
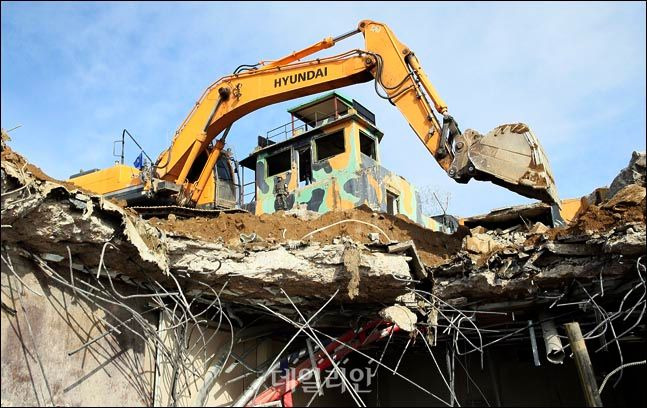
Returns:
(86, 272)
(44, 218)
(524, 261)
(308, 255)
(239, 231)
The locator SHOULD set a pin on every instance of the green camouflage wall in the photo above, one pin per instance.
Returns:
(344, 181)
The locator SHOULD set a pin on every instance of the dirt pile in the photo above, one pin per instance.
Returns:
(268, 229)
(626, 206)
(239, 229)
(596, 219)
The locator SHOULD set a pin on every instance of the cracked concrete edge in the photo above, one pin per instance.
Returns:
(134, 230)
(612, 254)
(41, 190)
(173, 253)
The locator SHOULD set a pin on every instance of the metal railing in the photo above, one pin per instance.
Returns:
(121, 155)
(297, 126)
(285, 131)
(244, 194)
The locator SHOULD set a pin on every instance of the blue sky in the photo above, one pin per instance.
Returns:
(75, 74)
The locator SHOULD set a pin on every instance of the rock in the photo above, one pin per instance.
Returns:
(247, 238)
(634, 173)
(630, 195)
(408, 299)
(400, 315)
(481, 244)
(478, 230)
(632, 242)
(538, 228)
(597, 197)
(302, 212)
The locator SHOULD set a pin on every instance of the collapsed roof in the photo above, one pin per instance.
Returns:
(357, 260)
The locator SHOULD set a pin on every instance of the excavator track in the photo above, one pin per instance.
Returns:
(184, 212)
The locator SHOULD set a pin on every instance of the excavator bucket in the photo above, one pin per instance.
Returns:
(511, 156)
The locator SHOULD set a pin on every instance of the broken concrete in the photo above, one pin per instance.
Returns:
(47, 218)
(357, 260)
(634, 173)
(525, 272)
(400, 315)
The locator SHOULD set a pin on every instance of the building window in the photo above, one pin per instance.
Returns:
(305, 167)
(392, 203)
(367, 145)
(223, 170)
(330, 145)
(279, 163)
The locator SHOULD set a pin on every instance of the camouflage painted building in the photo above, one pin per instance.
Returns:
(328, 158)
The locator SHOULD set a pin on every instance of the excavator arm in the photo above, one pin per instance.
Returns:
(510, 155)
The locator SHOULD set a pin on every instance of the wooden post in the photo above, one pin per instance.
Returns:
(584, 366)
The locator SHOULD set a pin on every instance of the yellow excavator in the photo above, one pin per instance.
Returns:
(186, 175)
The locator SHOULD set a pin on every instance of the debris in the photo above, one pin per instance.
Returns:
(301, 212)
(401, 316)
(410, 249)
(634, 173)
(630, 196)
(481, 244)
(538, 228)
(603, 218)
(49, 222)
(554, 349)
(225, 269)
(510, 216)
(246, 239)
(478, 230)
(351, 259)
(433, 247)
(4, 139)
(572, 249)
